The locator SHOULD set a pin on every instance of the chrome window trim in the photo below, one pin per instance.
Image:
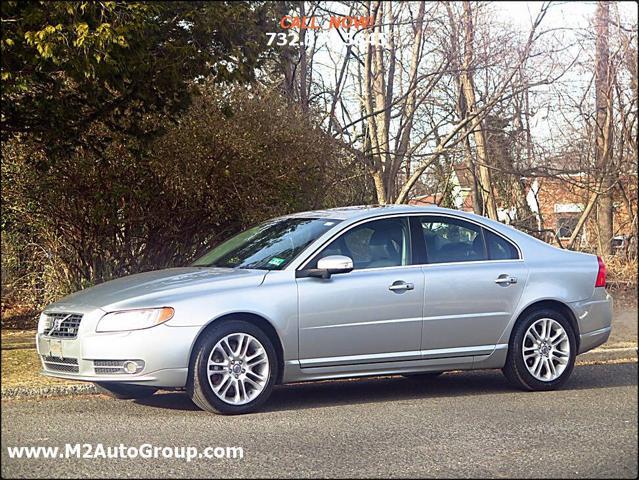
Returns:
(473, 262)
(306, 260)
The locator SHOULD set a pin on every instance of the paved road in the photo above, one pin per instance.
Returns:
(469, 424)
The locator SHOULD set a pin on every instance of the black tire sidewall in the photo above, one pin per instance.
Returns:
(516, 359)
(203, 352)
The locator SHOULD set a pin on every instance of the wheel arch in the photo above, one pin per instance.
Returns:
(259, 321)
(551, 304)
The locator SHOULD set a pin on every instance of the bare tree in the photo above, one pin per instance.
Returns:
(604, 119)
(438, 85)
(470, 107)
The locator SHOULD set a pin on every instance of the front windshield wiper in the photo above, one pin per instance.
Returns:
(253, 267)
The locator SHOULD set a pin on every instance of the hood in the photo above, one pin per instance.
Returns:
(152, 288)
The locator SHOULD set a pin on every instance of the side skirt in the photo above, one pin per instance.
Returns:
(294, 373)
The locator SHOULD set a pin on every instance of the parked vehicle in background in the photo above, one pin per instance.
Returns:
(336, 293)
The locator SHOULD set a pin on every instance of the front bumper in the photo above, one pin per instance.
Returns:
(165, 351)
(167, 378)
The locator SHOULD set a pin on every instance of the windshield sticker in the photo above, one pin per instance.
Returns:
(277, 261)
(329, 224)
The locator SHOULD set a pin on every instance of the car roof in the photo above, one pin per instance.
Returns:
(366, 211)
(362, 212)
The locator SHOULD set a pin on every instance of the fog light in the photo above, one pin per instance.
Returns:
(130, 366)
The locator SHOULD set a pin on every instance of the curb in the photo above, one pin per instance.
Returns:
(608, 354)
(18, 346)
(49, 391)
(597, 355)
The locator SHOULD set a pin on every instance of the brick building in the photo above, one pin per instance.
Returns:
(560, 201)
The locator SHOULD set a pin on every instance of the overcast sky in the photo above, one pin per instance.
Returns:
(568, 14)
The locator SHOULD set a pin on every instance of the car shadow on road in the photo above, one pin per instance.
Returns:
(396, 388)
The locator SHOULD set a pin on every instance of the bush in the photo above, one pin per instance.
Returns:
(123, 203)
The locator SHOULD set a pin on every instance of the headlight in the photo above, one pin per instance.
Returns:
(134, 319)
(42, 323)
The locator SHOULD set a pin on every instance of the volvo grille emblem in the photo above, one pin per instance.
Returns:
(57, 324)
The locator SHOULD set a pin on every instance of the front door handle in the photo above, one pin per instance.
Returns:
(400, 286)
(506, 280)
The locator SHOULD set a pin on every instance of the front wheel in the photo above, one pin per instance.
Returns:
(542, 351)
(234, 368)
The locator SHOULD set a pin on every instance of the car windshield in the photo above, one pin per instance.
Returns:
(269, 246)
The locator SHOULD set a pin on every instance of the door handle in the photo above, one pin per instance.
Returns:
(505, 280)
(400, 286)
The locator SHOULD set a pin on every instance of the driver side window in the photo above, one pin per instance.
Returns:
(376, 244)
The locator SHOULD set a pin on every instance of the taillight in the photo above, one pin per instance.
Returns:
(601, 274)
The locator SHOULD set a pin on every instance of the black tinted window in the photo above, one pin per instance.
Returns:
(498, 248)
(376, 244)
(452, 240)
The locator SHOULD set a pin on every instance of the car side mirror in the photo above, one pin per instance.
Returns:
(327, 266)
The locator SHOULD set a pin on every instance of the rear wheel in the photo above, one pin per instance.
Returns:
(542, 351)
(125, 392)
(234, 368)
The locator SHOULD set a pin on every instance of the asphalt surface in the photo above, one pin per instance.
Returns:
(458, 425)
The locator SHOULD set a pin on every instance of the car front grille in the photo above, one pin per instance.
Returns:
(62, 325)
(66, 365)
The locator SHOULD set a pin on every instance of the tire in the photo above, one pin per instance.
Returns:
(125, 392)
(261, 370)
(520, 372)
(422, 375)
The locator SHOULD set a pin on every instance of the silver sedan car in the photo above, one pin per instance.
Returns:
(336, 293)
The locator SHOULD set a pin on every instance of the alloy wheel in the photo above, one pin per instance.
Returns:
(238, 368)
(546, 349)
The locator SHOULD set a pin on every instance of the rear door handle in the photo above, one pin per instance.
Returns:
(505, 280)
(400, 286)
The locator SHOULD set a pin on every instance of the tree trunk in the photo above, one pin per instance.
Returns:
(462, 111)
(406, 126)
(582, 219)
(468, 90)
(603, 99)
(375, 121)
(303, 92)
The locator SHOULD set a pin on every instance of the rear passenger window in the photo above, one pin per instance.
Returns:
(498, 248)
(452, 240)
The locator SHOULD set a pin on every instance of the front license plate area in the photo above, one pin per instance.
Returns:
(55, 348)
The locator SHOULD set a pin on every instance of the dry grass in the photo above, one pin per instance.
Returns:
(621, 270)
